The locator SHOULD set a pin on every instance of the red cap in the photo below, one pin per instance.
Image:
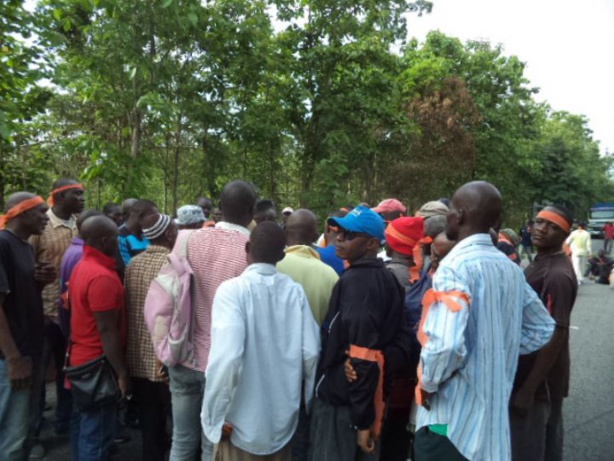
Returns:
(403, 234)
(390, 205)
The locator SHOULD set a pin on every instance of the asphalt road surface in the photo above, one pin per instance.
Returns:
(589, 410)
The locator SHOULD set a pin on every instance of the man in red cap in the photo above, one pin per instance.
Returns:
(402, 235)
(390, 209)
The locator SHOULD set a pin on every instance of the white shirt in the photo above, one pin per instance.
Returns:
(265, 344)
(580, 243)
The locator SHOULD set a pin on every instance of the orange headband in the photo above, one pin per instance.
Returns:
(402, 238)
(51, 201)
(20, 208)
(555, 218)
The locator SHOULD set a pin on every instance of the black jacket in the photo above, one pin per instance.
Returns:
(366, 310)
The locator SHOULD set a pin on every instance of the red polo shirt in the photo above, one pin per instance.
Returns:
(94, 287)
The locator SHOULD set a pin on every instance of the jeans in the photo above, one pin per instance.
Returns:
(153, 401)
(17, 414)
(92, 433)
(187, 391)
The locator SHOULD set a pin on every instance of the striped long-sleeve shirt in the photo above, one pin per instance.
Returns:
(480, 316)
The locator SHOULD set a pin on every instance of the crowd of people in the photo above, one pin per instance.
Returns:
(231, 333)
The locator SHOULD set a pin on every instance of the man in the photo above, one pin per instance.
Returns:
(249, 311)
(302, 263)
(265, 211)
(206, 205)
(127, 208)
(114, 213)
(66, 202)
(431, 209)
(579, 242)
(21, 322)
(190, 217)
(402, 235)
(71, 258)
(97, 327)
(215, 255)
(216, 215)
(328, 253)
(542, 378)
(506, 243)
(390, 209)
(608, 235)
(130, 235)
(365, 322)
(526, 247)
(151, 392)
(472, 331)
(600, 267)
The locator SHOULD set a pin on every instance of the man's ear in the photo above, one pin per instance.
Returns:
(248, 247)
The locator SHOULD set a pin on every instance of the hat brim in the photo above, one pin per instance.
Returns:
(348, 224)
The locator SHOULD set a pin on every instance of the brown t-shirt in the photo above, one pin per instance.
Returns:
(553, 279)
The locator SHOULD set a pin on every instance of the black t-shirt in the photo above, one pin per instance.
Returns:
(553, 279)
(23, 305)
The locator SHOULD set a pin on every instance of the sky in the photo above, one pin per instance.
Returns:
(568, 47)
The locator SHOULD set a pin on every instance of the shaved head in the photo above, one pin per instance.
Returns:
(266, 244)
(237, 202)
(301, 228)
(100, 232)
(476, 208)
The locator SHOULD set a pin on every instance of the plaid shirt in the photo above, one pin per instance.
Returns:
(143, 268)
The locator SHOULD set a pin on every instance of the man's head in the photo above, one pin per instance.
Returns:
(139, 210)
(551, 227)
(86, 214)
(216, 214)
(476, 208)
(100, 232)
(205, 204)
(582, 225)
(160, 230)
(360, 234)
(26, 214)
(266, 244)
(440, 247)
(68, 195)
(601, 254)
(331, 231)
(390, 209)
(402, 235)
(265, 211)
(190, 217)
(113, 211)
(301, 228)
(127, 208)
(237, 203)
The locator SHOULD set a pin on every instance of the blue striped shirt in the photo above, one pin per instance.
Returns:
(470, 359)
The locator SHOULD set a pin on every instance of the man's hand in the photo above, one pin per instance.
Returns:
(45, 273)
(350, 373)
(426, 404)
(226, 431)
(162, 372)
(522, 402)
(365, 441)
(21, 375)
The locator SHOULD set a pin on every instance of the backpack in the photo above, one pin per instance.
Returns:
(168, 307)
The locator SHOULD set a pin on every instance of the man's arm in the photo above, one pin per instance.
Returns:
(19, 368)
(537, 325)
(311, 351)
(225, 359)
(107, 323)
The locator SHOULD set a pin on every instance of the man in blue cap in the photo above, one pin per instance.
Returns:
(365, 323)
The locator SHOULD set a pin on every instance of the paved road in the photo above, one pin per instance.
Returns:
(589, 411)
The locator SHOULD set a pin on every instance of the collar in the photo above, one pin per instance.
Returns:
(157, 249)
(57, 222)
(303, 251)
(367, 262)
(232, 227)
(261, 268)
(77, 241)
(93, 254)
(476, 239)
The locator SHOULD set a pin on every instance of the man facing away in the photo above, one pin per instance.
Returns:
(264, 352)
(97, 327)
(579, 242)
(21, 322)
(365, 320)
(215, 254)
(479, 316)
(542, 378)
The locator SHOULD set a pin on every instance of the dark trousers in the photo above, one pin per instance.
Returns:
(429, 446)
(538, 435)
(607, 245)
(153, 400)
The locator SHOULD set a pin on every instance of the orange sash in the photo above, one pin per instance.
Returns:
(370, 355)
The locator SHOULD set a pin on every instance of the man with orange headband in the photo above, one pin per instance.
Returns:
(402, 235)
(542, 378)
(21, 321)
(66, 201)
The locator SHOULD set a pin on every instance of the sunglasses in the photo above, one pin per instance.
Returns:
(351, 235)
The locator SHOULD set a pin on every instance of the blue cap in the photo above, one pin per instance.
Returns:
(361, 219)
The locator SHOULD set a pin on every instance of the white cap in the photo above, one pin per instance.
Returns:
(288, 210)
